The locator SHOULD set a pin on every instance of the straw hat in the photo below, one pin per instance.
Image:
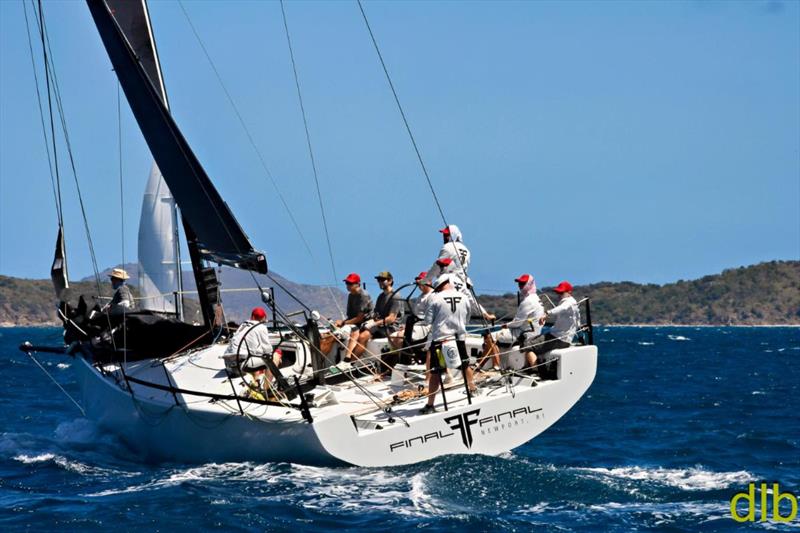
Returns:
(119, 274)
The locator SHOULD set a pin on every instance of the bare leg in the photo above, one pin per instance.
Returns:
(361, 343)
(351, 344)
(470, 382)
(530, 359)
(433, 386)
(396, 339)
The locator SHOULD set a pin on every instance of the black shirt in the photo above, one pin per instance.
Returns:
(386, 305)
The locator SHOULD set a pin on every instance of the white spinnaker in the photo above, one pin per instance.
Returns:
(158, 274)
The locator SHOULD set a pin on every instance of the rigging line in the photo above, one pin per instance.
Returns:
(246, 130)
(122, 224)
(402, 113)
(287, 291)
(50, 67)
(311, 155)
(370, 395)
(41, 116)
(83, 412)
(252, 143)
(50, 107)
(413, 140)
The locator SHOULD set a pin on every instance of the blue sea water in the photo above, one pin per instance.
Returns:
(676, 422)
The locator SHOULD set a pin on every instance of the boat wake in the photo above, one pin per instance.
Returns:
(688, 479)
(72, 465)
(317, 488)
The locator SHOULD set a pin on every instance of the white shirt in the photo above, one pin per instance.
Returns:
(530, 308)
(256, 340)
(458, 254)
(421, 306)
(567, 316)
(448, 314)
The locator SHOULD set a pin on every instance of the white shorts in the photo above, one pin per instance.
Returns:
(343, 333)
(420, 332)
(503, 336)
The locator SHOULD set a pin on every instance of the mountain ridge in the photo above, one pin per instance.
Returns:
(763, 294)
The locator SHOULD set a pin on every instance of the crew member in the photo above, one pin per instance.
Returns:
(250, 345)
(453, 257)
(526, 325)
(448, 314)
(566, 316)
(359, 304)
(122, 301)
(385, 316)
(421, 327)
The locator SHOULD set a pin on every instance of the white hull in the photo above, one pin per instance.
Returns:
(500, 418)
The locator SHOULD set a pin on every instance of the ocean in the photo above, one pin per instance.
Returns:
(678, 420)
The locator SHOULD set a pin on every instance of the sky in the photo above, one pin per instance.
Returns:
(587, 141)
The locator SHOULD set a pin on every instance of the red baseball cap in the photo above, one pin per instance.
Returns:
(444, 261)
(446, 230)
(258, 313)
(420, 276)
(525, 278)
(564, 286)
(352, 277)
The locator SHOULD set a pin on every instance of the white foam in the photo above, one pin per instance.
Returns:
(757, 393)
(678, 338)
(643, 343)
(689, 479)
(663, 513)
(62, 366)
(67, 464)
(666, 512)
(423, 502)
(28, 459)
(323, 488)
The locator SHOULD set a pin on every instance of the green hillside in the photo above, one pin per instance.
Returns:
(26, 302)
(767, 293)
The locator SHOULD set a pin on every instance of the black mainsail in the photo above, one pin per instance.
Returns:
(219, 237)
(134, 22)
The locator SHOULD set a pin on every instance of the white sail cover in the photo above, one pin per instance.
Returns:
(158, 272)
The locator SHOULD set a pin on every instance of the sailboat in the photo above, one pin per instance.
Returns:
(163, 387)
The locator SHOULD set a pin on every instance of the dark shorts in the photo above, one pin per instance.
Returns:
(436, 346)
(381, 332)
(542, 344)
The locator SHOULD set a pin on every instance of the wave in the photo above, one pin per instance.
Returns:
(644, 343)
(662, 511)
(70, 465)
(689, 479)
(678, 338)
(324, 489)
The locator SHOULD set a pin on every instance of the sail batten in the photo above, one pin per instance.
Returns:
(219, 237)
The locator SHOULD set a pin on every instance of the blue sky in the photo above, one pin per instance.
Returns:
(587, 141)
